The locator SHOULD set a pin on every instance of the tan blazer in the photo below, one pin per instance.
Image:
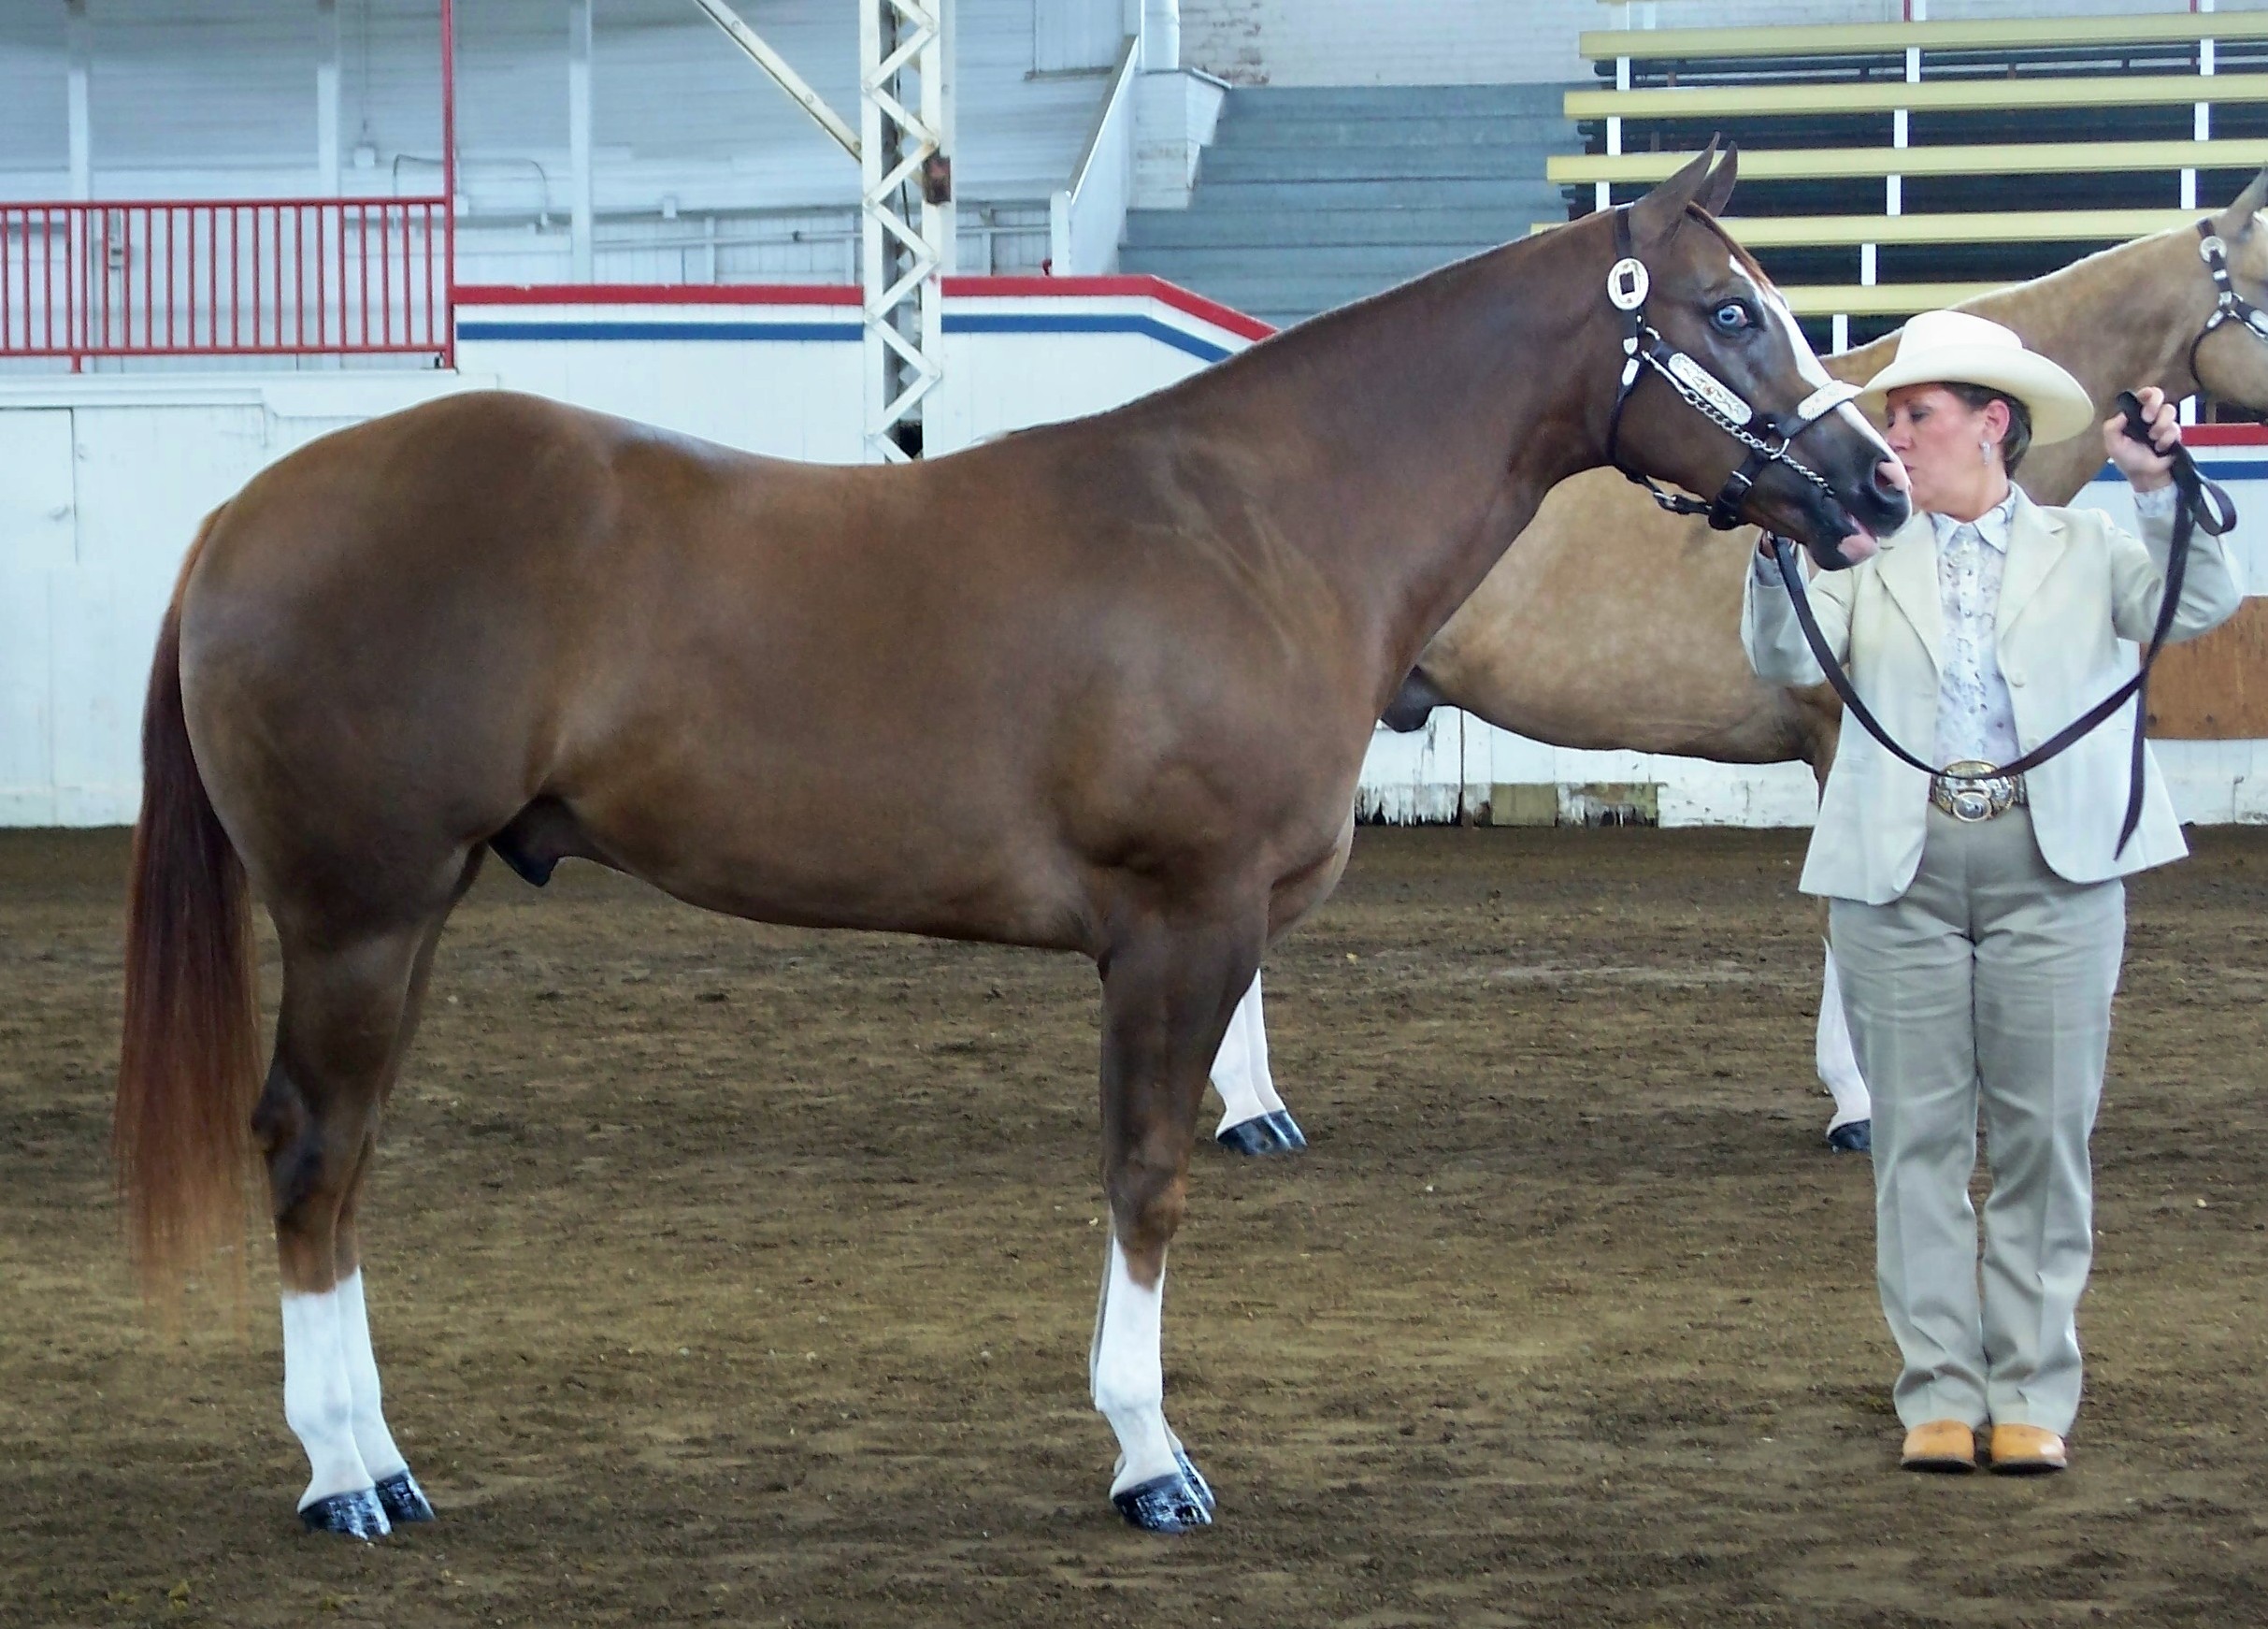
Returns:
(2074, 586)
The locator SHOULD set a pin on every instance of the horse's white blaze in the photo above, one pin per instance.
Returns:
(1239, 1070)
(1814, 372)
(318, 1397)
(1126, 1371)
(1838, 1064)
(378, 1454)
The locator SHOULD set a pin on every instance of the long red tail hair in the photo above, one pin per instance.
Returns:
(188, 1065)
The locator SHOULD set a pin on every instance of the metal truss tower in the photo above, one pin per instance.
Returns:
(905, 106)
(904, 148)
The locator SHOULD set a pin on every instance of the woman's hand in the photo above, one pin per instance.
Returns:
(2145, 469)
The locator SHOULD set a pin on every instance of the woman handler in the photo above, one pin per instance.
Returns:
(1978, 925)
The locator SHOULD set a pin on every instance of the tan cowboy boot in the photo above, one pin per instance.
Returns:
(2026, 1450)
(1940, 1445)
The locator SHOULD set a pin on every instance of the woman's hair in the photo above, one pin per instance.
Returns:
(2019, 440)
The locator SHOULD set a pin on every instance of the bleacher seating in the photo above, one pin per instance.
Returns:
(1887, 168)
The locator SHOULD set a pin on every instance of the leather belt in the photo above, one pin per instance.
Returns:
(1968, 790)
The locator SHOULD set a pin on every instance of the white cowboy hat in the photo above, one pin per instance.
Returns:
(1954, 348)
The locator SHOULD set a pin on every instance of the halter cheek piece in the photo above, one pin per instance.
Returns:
(1767, 436)
(2228, 305)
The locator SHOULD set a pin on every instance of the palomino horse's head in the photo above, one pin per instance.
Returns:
(2230, 358)
(1718, 390)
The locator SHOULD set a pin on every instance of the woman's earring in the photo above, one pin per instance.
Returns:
(1984, 450)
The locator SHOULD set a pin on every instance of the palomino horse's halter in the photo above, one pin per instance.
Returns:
(2228, 305)
(1767, 436)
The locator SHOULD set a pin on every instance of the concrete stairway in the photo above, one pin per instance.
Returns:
(1310, 198)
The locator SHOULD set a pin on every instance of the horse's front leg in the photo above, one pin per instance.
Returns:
(1253, 1120)
(1168, 996)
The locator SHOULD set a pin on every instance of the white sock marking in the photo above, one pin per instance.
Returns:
(1126, 1371)
(1838, 1064)
(1239, 1070)
(378, 1454)
(318, 1398)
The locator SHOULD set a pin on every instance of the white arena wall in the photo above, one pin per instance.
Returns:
(104, 478)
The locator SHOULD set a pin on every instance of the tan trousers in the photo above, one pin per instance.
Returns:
(1991, 979)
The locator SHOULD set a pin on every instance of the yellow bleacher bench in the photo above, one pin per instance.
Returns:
(1882, 38)
(2009, 158)
(1925, 95)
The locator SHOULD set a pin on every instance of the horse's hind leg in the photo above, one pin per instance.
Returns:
(1166, 1001)
(350, 1005)
(1253, 1120)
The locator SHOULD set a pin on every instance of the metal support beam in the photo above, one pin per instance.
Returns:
(79, 51)
(328, 54)
(582, 250)
(785, 77)
(905, 51)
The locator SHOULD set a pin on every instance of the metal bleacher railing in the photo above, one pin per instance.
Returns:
(1889, 169)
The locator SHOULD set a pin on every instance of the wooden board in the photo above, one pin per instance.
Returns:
(2216, 688)
(1859, 38)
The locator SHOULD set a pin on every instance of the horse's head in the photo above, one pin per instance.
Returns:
(2230, 357)
(1718, 390)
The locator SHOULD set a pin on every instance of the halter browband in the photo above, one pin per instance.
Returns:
(2228, 305)
(1628, 284)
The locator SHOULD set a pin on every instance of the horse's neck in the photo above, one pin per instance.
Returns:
(1401, 445)
(2116, 320)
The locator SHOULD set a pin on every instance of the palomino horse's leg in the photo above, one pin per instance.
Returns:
(1253, 1120)
(348, 1004)
(1838, 1066)
(1166, 1001)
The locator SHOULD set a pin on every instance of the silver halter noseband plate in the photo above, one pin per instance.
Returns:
(1767, 437)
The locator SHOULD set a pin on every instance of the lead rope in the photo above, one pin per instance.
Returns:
(2202, 505)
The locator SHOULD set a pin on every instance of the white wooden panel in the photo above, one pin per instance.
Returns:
(213, 97)
(38, 523)
(1076, 34)
(27, 735)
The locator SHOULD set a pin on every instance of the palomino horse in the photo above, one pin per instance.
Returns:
(1133, 660)
(1612, 625)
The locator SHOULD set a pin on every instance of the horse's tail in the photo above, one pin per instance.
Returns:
(187, 1068)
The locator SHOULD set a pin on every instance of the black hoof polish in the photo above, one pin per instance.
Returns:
(357, 1515)
(403, 1499)
(1197, 1480)
(1170, 1503)
(1289, 1135)
(1270, 1133)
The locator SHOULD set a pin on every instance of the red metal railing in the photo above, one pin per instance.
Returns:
(238, 277)
(228, 277)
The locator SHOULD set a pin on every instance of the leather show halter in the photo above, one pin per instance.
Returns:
(1767, 436)
(2202, 504)
(2228, 305)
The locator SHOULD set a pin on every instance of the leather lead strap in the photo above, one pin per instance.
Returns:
(2202, 504)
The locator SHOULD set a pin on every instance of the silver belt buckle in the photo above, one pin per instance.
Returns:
(1970, 800)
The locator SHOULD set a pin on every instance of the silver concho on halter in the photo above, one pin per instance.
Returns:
(1627, 283)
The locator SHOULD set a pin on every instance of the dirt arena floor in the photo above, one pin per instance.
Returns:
(737, 1275)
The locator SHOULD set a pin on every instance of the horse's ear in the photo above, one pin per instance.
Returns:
(1655, 218)
(2236, 220)
(1718, 192)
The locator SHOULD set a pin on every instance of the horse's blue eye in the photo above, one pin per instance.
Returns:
(1732, 316)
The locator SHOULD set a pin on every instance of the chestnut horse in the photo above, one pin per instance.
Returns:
(1133, 660)
(1613, 625)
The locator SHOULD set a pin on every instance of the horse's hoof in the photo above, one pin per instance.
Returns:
(357, 1515)
(1268, 1133)
(1855, 1138)
(1197, 1480)
(1176, 1503)
(403, 1499)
